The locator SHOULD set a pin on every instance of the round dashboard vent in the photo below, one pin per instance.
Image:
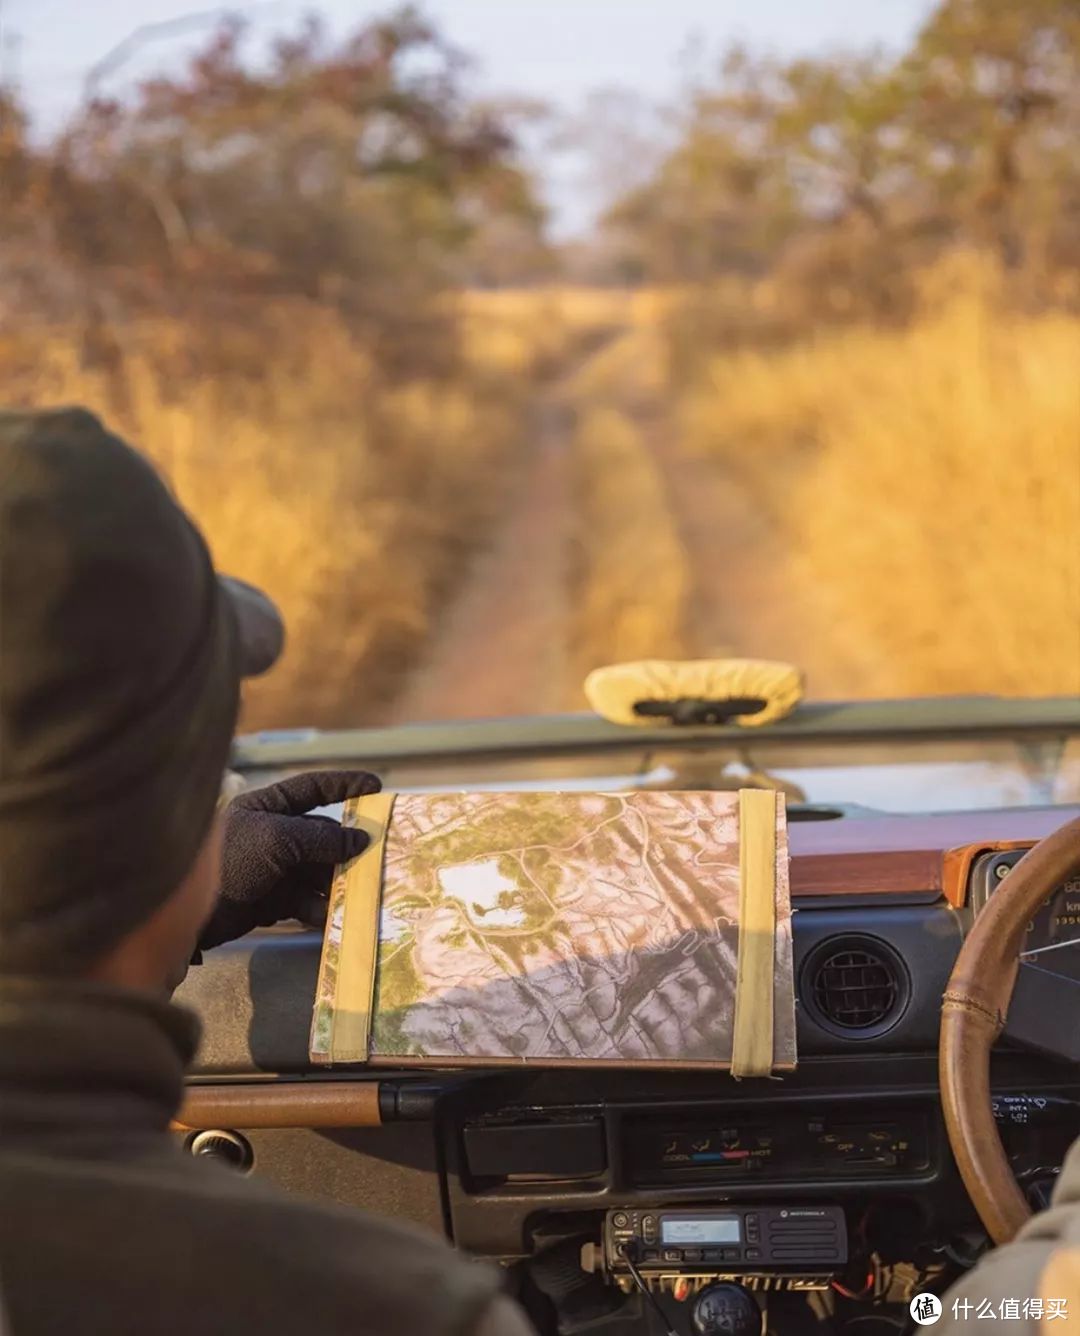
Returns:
(855, 986)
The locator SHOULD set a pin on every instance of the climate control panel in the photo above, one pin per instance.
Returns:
(732, 1149)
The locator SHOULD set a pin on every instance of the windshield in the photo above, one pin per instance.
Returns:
(896, 777)
(502, 342)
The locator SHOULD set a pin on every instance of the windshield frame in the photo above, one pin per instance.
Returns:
(932, 717)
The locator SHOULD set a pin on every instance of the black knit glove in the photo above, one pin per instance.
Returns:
(278, 863)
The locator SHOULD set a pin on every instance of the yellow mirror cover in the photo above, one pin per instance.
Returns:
(614, 691)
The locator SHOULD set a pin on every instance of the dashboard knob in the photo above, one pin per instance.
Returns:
(726, 1309)
(228, 1148)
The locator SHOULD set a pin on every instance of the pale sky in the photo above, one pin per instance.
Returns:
(557, 50)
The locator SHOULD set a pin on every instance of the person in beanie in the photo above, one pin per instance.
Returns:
(121, 656)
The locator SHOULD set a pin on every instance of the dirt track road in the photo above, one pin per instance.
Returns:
(502, 646)
(751, 598)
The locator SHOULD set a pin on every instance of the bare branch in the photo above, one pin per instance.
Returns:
(148, 33)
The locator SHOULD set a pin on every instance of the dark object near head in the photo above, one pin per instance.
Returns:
(261, 630)
(120, 662)
(690, 713)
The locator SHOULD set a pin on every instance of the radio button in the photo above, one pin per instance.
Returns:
(712, 1255)
(692, 1255)
(753, 1254)
(650, 1255)
(731, 1254)
(672, 1255)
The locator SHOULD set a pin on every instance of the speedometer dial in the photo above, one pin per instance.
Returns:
(1059, 921)
(1056, 924)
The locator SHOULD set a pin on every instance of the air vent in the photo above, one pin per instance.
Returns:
(855, 986)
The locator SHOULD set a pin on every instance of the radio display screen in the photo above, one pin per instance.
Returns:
(679, 1231)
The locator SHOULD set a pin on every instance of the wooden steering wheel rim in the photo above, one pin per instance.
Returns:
(973, 1013)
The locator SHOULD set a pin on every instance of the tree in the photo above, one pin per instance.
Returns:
(842, 176)
(353, 174)
(994, 112)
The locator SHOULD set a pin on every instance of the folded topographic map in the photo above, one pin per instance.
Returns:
(561, 928)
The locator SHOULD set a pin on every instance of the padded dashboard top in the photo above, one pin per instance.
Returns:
(874, 878)
(883, 855)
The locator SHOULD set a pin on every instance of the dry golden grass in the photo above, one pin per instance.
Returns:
(631, 573)
(576, 307)
(629, 585)
(352, 503)
(927, 480)
(544, 330)
(918, 490)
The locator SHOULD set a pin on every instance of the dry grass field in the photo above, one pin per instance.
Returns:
(898, 510)
(352, 501)
(632, 588)
(925, 482)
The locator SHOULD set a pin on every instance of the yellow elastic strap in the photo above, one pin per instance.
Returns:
(752, 1044)
(354, 997)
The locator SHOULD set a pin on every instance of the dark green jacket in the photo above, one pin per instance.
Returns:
(108, 1229)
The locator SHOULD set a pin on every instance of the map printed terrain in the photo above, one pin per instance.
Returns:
(553, 926)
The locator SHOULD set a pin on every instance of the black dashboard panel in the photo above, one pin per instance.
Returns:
(255, 995)
(919, 940)
(821, 1119)
(496, 1217)
(392, 1171)
(508, 1153)
(255, 998)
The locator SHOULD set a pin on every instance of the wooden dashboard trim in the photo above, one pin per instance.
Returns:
(259, 1105)
(890, 855)
(913, 872)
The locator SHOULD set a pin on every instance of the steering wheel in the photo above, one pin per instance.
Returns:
(973, 1013)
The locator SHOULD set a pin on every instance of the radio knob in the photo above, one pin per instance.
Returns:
(620, 1219)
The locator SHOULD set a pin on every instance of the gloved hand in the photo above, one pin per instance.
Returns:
(278, 863)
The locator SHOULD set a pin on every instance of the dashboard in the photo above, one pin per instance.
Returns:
(509, 1163)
